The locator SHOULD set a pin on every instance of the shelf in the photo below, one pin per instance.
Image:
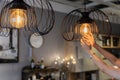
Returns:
(28, 69)
(110, 46)
(112, 41)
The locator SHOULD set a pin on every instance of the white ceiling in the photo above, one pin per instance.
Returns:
(112, 9)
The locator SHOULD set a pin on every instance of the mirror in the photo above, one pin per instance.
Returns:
(36, 40)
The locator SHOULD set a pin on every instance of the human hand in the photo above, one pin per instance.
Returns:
(85, 46)
(88, 39)
(87, 42)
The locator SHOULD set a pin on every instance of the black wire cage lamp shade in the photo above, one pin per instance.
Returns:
(31, 15)
(82, 21)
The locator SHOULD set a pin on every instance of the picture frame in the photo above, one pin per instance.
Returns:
(9, 49)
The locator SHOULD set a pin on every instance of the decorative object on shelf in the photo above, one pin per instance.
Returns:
(106, 41)
(82, 21)
(32, 63)
(42, 66)
(9, 47)
(63, 75)
(36, 40)
(32, 15)
(116, 41)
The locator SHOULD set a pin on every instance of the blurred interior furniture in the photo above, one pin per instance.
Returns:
(37, 73)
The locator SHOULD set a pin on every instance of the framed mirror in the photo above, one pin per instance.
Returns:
(36, 40)
(9, 47)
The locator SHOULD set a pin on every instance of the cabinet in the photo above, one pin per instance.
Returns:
(87, 75)
(112, 41)
(29, 73)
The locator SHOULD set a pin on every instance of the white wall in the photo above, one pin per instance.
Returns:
(54, 44)
(12, 71)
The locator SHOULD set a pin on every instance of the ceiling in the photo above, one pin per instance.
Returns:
(110, 7)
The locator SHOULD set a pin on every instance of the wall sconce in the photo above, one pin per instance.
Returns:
(32, 15)
(82, 21)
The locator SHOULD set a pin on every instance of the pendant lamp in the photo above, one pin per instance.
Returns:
(81, 21)
(31, 15)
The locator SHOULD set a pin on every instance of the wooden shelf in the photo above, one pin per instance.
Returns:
(110, 46)
(28, 69)
(28, 72)
(112, 41)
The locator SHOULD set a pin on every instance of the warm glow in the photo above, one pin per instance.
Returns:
(68, 63)
(58, 57)
(74, 62)
(18, 18)
(63, 60)
(71, 57)
(85, 28)
(56, 62)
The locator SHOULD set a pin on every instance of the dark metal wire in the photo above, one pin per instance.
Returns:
(100, 24)
(40, 16)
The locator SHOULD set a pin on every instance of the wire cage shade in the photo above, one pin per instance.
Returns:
(95, 20)
(31, 15)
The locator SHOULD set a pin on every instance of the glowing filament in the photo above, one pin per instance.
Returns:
(85, 28)
(18, 18)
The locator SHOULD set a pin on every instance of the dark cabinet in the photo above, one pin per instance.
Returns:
(29, 73)
(111, 44)
(87, 75)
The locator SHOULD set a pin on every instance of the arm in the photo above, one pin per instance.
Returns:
(89, 41)
(114, 72)
(107, 55)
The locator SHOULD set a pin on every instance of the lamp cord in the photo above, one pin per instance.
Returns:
(84, 3)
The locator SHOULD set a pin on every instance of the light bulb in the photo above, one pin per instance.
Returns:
(18, 18)
(85, 28)
(58, 57)
(56, 62)
(71, 57)
(68, 63)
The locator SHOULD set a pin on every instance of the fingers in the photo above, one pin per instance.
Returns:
(88, 39)
(82, 43)
(85, 47)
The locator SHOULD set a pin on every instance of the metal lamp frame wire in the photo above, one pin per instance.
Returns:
(40, 15)
(99, 18)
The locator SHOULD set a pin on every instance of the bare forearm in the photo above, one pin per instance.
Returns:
(104, 67)
(101, 64)
(107, 55)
